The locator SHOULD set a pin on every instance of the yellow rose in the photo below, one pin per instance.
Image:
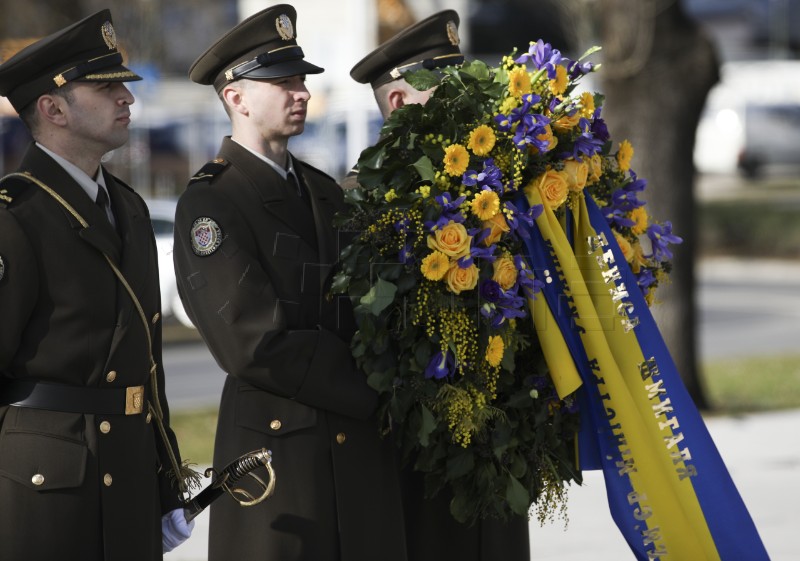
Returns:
(459, 279)
(577, 174)
(567, 122)
(625, 247)
(553, 187)
(498, 226)
(452, 240)
(595, 168)
(505, 272)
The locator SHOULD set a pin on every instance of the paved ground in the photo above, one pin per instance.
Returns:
(761, 451)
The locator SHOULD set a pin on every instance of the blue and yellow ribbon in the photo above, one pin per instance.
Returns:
(669, 491)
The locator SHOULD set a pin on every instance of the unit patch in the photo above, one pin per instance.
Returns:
(206, 236)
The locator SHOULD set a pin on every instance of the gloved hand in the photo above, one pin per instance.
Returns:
(175, 529)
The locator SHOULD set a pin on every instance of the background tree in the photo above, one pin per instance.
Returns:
(658, 67)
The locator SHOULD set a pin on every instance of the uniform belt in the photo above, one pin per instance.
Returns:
(72, 399)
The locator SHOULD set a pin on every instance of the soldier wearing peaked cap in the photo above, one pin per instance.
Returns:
(254, 246)
(431, 531)
(89, 467)
(431, 43)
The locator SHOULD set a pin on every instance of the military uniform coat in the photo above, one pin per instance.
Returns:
(78, 486)
(252, 259)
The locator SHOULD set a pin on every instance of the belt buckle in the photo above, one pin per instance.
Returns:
(134, 400)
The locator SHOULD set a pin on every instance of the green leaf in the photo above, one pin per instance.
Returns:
(424, 168)
(428, 426)
(379, 296)
(517, 496)
(371, 158)
(459, 464)
(422, 79)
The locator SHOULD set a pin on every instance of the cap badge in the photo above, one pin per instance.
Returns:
(452, 33)
(206, 236)
(107, 30)
(284, 26)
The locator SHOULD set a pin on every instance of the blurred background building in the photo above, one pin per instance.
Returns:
(177, 125)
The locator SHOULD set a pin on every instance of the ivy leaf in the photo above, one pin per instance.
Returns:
(380, 295)
(517, 496)
(424, 168)
(460, 464)
(428, 426)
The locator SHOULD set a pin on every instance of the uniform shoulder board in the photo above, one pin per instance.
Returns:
(209, 171)
(11, 186)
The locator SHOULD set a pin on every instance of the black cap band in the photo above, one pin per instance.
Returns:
(264, 59)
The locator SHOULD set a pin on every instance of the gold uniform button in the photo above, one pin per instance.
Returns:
(105, 427)
(275, 425)
(341, 437)
(107, 479)
(156, 318)
(37, 479)
(111, 376)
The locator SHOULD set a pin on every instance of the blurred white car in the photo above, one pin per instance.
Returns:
(162, 214)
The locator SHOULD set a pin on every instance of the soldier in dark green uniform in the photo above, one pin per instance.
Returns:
(254, 246)
(88, 463)
(432, 533)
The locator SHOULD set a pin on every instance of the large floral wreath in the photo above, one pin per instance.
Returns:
(441, 287)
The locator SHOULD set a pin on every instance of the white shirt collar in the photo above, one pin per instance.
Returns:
(87, 183)
(284, 173)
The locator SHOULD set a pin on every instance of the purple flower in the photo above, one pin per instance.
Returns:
(543, 55)
(577, 69)
(660, 237)
(645, 278)
(406, 255)
(491, 176)
(599, 128)
(450, 211)
(491, 291)
(442, 365)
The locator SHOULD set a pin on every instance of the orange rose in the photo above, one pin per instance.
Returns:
(577, 174)
(452, 240)
(567, 122)
(505, 272)
(553, 187)
(625, 247)
(497, 226)
(459, 279)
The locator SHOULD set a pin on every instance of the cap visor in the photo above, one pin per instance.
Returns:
(283, 69)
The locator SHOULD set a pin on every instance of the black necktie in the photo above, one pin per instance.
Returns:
(103, 202)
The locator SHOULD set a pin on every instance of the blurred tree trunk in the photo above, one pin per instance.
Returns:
(658, 68)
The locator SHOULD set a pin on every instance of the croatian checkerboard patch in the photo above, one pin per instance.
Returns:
(206, 236)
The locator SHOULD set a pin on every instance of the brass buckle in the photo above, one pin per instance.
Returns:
(134, 400)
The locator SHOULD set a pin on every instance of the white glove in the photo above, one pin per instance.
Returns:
(174, 529)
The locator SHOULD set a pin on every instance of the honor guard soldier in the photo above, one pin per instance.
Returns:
(254, 246)
(431, 44)
(432, 532)
(89, 467)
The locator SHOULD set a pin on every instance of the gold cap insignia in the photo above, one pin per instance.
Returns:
(284, 26)
(107, 30)
(452, 33)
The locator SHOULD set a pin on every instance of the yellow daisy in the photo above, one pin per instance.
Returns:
(587, 104)
(558, 85)
(494, 350)
(485, 204)
(639, 216)
(435, 266)
(519, 82)
(456, 159)
(481, 140)
(625, 155)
